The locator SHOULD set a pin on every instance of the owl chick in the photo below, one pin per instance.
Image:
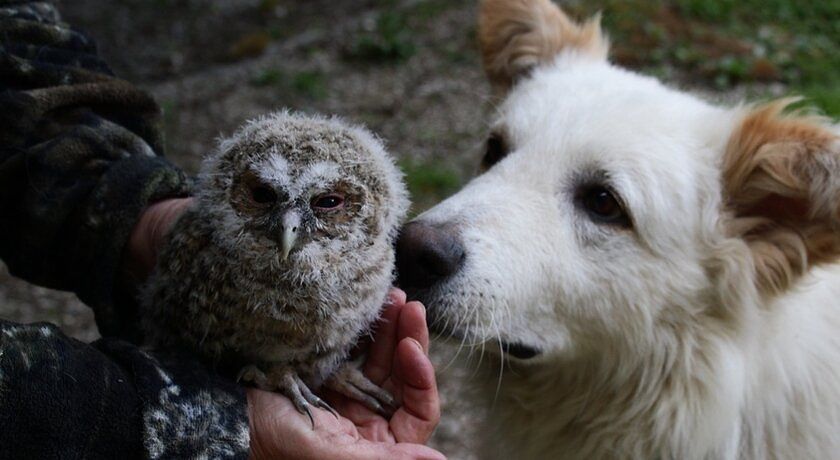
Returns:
(284, 259)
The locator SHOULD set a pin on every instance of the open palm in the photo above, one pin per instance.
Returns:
(398, 361)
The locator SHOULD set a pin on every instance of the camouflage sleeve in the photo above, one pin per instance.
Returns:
(80, 158)
(61, 398)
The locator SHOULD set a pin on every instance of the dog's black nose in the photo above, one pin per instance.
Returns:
(426, 254)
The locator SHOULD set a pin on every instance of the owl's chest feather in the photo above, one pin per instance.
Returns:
(223, 308)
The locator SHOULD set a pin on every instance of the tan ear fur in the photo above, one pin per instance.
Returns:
(781, 180)
(516, 35)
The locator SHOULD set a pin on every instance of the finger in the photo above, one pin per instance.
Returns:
(165, 215)
(148, 236)
(396, 296)
(381, 351)
(419, 414)
(412, 324)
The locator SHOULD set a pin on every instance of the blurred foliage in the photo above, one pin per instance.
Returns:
(268, 6)
(389, 40)
(722, 43)
(268, 77)
(307, 83)
(429, 182)
(311, 83)
(394, 32)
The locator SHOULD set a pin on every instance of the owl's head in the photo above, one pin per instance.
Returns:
(294, 191)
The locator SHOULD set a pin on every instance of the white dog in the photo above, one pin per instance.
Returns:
(657, 272)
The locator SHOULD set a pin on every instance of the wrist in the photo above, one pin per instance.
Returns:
(254, 450)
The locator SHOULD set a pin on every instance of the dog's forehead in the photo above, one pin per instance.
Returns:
(605, 110)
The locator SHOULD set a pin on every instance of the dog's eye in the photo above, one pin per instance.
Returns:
(263, 195)
(496, 149)
(602, 206)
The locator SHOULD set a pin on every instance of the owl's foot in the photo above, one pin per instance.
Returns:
(351, 382)
(286, 381)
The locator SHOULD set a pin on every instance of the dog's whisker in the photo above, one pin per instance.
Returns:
(460, 346)
(478, 365)
(501, 369)
(481, 337)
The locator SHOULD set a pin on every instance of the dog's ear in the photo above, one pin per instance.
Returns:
(781, 180)
(517, 35)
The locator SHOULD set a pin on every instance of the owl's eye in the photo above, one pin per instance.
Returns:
(327, 202)
(263, 195)
(602, 206)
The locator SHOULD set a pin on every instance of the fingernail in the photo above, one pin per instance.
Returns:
(393, 295)
(416, 344)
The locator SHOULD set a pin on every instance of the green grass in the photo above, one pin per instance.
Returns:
(308, 83)
(429, 182)
(722, 43)
(429, 9)
(824, 96)
(391, 40)
(268, 77)
(396, 32)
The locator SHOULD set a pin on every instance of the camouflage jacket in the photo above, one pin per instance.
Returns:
(80, 158)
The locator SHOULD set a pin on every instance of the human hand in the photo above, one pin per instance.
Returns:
(397, 360)
(148, 236)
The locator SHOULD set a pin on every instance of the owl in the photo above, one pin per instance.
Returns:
(284, 258)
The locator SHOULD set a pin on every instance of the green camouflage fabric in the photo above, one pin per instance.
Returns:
(80, 158)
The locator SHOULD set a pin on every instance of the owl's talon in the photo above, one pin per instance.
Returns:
(327, 407)
(301, 406)
(286, 381)
(320, 403)
(352, 383)
(308, 413)
(313, 399)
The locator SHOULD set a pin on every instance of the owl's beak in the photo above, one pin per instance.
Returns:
(291, 225)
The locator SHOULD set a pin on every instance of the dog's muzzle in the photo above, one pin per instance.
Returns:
(427, 254)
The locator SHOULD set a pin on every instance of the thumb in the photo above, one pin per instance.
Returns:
(419, 414)
(162, 217)
(149, 234)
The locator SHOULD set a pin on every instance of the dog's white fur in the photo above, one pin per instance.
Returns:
(658, 341)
